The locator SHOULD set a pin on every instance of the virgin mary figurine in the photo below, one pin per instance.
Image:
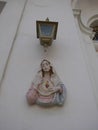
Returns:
(47, 88)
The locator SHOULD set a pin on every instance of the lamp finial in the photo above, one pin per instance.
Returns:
(47, 19)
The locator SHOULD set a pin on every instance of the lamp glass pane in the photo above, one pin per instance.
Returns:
(46, 30)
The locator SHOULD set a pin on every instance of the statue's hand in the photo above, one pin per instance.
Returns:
(59, 89)
(51, 89)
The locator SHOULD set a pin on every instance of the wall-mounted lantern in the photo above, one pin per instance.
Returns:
(46, 32)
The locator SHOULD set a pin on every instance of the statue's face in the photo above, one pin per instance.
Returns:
(45, 66)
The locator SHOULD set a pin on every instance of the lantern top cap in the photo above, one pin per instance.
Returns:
(47, 19)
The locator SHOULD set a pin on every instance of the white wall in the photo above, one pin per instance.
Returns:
(80, 111)
(88, 15)
(89, 8)
(9, 20)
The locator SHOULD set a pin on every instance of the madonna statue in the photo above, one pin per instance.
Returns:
(46, 89)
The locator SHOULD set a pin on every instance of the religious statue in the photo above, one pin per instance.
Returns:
(47, 88)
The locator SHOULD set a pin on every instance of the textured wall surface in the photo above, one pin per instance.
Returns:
(80, 110)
